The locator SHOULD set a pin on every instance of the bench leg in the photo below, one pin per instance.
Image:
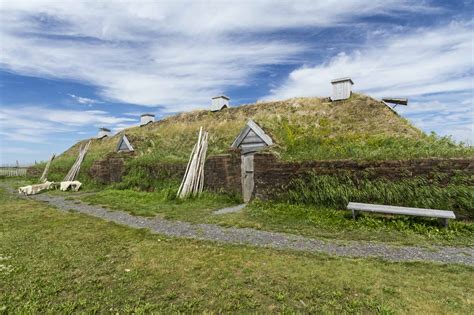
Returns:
(444, 222)
(354, 214)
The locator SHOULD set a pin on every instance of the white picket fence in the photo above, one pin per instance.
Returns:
(13, 171)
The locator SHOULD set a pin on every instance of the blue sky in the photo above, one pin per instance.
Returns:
(69, 67)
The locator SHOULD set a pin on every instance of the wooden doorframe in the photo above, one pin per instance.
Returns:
(247, 176)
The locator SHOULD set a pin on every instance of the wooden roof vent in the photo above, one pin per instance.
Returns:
(341, 89)
(219, 102)
(104, 132)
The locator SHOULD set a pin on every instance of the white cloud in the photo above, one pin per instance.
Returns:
(39, 124)
(451, 114)
(85, 100)
(415, 65)
(172, 53)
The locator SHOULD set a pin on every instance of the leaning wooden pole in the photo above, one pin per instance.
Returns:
(74, 171)
(203, 161)
(44, 176)
(68, 175)
(193, 180)
(187, 169)
(188, 180)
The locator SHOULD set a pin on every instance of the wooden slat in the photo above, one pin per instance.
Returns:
(252, 139)
(444, 214)
(259, 131)
(243, 133)
(246, 148)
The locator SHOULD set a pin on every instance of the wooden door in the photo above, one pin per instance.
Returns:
(247, 177)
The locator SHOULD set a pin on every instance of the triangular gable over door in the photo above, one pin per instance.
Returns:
(252, 138)
(124, 145)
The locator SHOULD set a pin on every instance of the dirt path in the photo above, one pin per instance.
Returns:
(247, 236)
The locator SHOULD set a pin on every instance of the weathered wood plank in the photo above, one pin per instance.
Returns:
(247, 168)
(252, 139)
(247, 148)
(259, 131)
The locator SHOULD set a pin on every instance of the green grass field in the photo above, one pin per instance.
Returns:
(162, 203)
(316, 222)
(308, 220)
(55, 262)
(311, 220)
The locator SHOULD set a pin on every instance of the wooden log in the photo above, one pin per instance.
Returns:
(44, 176)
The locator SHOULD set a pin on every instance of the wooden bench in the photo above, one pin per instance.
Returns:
(420, 212)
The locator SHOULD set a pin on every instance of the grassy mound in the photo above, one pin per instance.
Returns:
(360, 128)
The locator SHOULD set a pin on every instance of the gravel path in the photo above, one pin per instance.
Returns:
(230, 209)
(210, 232)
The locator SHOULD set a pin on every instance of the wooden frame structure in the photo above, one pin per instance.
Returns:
(251, 138)
(123, 145)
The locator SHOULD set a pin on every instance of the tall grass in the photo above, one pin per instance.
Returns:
(301, 143)
(148, 174)
(337, 191)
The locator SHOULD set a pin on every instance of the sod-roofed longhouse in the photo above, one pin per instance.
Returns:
(359, 128)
